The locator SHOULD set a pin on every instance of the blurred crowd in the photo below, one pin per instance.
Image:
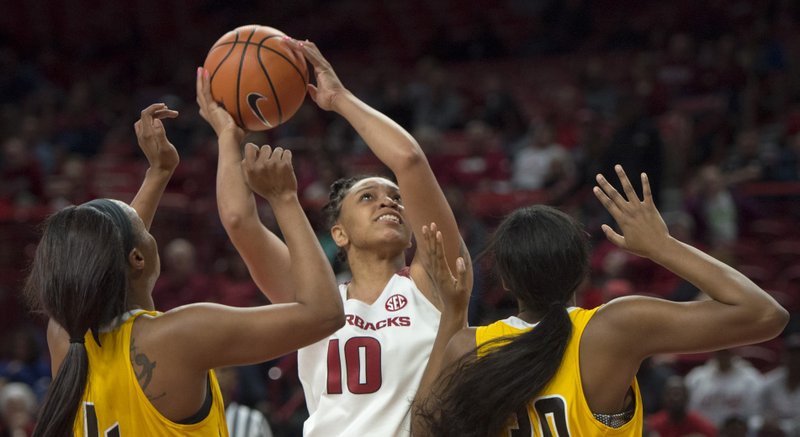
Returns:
(513, 101)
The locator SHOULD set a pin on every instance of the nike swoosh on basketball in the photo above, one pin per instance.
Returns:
(252, 101)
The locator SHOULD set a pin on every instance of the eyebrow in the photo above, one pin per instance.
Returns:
(376, 186)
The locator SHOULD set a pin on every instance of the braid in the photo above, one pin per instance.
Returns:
(338, 191)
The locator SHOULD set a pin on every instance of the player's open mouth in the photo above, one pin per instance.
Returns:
(389, 218)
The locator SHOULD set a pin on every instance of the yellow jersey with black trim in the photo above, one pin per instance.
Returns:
(560, 409)
(113, 404)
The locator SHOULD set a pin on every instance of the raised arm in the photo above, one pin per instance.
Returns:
(161, 155)
(739, 312)
(231, 336)
(266, 256)
(396, 148)
(455, 297)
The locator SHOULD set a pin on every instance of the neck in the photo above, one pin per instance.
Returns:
(370, 275)
(140, 298)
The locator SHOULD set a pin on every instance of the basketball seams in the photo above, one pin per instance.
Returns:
(222, 61)
(304, 78)
(269, 81)
(239, 81)
(225, 43)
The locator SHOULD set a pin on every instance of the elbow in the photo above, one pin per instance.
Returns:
(331, 317)
(778, 319)
(231, 220)
(333, 321)
(773, 321)
(411, 158)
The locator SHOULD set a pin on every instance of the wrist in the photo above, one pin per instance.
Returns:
(159, 172)
(667, 251)
(279, 199)
(232, 132)
(341, 99)
(453, 321)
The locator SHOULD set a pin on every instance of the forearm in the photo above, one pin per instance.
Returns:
(149, 195)
(451, 322)
(392, 144)
(235, 200)
(263, 252)
(310, 271)
(719, 281)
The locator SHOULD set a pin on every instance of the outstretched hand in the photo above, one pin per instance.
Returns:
(643, 229)
(328, 85)
(211, 111)
(152, 137)
(452, 289)
(269, 172)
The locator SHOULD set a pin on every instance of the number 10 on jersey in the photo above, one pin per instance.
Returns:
(362, 365)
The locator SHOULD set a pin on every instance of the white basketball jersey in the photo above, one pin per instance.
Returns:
(361, 380)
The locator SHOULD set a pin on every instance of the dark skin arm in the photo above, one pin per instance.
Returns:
(629, 329)
(455, 296)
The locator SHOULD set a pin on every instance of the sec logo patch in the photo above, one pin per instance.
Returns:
(396, 302)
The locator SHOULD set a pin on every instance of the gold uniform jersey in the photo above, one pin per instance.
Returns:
(560, 410)
(113, 404)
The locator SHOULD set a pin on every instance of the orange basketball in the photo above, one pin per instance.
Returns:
(257, 77)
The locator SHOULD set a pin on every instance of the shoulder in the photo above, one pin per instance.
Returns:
(459, 345)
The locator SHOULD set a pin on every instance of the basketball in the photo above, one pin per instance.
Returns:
(257, 77)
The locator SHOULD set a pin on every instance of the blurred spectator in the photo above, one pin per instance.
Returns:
(713, 208)
(789, 163)
(501, 110)
(71, 185)
(181, 283)
(652, 378)
(24, 361)
(436, 102)
(733, 426)
(675, 419)
(780, 397)
(746, 162)
(635, 144)
(17, 410)
(726, 385)
(478, 164)
(243, 421)
(234, 285)
(21, 178)
(475, 236)
(543, 163)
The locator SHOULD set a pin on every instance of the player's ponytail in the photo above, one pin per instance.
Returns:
(542, 256)
(79, 279)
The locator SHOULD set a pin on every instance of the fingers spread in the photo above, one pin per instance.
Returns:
(630, 193)
(646, 192)
(613, 237)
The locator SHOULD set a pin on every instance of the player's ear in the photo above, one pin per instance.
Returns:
(339, 235)
(136, 259)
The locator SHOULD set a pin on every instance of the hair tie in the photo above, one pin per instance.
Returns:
(80, 340)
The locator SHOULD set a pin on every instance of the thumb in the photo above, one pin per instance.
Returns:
(312, 91)
(613, 237)
(250, 153)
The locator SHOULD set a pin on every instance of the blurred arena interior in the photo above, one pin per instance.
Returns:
(514, 101)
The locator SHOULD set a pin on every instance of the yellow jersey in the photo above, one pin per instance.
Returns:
(560, 409)
(113, 404)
